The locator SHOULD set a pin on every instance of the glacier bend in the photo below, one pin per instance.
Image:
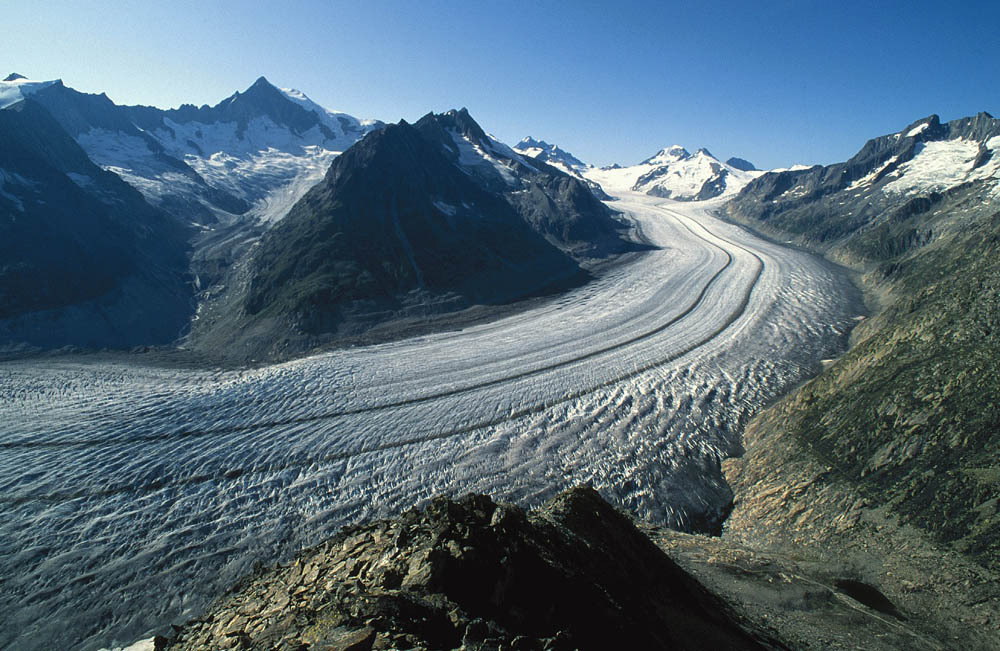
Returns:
(132, 495)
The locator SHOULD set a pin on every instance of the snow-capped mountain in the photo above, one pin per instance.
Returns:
(551, 154)
(894, 188)
(15, 88)
(413, 221)
(674, 173)
(561, 160)
(257, 150)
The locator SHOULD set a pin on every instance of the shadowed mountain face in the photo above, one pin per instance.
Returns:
(83, 258)
(392, 216)
(560, 207)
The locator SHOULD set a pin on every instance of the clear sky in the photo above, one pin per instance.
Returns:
(771, 81)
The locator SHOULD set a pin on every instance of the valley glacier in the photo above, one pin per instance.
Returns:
(133, 494)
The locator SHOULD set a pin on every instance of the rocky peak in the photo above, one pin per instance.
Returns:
(528, 142)
(473, 574)
(741, 164)
(461, 122)
(14, 77)
(549, 153)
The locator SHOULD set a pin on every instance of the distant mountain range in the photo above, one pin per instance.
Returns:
(671, 173)
(241, 226)
(489, 226)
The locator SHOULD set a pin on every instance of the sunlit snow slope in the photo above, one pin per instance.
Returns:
(132, 495)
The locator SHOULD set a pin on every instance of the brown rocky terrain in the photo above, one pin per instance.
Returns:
(472, 574)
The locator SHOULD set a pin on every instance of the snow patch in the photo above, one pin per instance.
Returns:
(13, 178)
(472, 155)
(938, 165)
(12, 92)
(868, 178)
(916, 131)
(446, 208)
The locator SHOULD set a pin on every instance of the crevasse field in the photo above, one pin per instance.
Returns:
(132, 495)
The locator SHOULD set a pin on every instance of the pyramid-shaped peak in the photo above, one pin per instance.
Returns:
(461, 121)
(14, 77)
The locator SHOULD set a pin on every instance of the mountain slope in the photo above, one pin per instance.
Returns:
(85, 260)
(906, 419)
(882, 200)
(560, 159)
(392, 216)
(412, 222)
(551, 154)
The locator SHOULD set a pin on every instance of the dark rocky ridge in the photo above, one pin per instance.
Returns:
(575, 574)
(741, 164)
(393, 216)
(411, 225)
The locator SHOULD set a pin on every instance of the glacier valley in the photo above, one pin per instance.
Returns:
(133, 494)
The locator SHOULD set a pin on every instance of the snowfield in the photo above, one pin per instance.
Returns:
(132, 495)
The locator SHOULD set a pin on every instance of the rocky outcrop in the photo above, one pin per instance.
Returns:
(741, 164)
(472, 574)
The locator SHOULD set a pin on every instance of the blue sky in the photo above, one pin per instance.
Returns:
(775, 82)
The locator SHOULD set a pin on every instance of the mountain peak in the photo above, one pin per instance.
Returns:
(528, 142)
(705, 152)
(460, 120)
(673, 153)
(548, 153)
(14, 77)
(741, 164)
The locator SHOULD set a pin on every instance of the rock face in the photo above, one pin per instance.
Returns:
(393, 216)
(471, 574)
(741, 164)
(560, 159)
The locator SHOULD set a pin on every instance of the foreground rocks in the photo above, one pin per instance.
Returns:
(476, 575)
